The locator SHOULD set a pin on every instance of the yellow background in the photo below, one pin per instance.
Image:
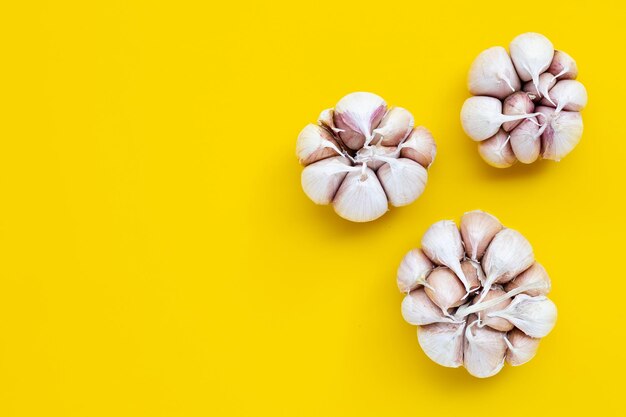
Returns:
(159, 258)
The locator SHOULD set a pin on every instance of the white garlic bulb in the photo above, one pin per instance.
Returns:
(551, 130)
(478, 324)
(362, 156)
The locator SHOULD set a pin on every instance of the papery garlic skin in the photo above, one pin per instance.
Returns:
(443, 343)
(478, 324)
(548, 81)
(535, 316)
(522, 348)
(485, 350)
(360, 197)
(321, 180)
(477, 230)
(492, 74)
(413, 270)
(386, 157)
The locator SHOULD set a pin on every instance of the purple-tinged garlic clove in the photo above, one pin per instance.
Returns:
(445, 289)
(316, 143)
(419, 146)
(442, 244)
(419, 310)
(532, 54)
(535, 316)
(394, 127)
(492, 74)
(443, 343)
(526, 141)
(474, 274)
(514, 105)
(403, 180)
(569, 95)
(496, 323)
(534, 281)
(497, 151)
(413, 270)
(522, 348)
(484, 351)
(360, 197)
(546, 82)
(357, 115)
(477, 230)
(321, 180)
(561, 134)
(563, 66)
(508, 254)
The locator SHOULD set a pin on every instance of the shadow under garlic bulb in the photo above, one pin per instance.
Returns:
(362, 156)
(476, 294)
(525, 103)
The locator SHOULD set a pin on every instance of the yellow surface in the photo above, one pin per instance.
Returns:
(158, 257)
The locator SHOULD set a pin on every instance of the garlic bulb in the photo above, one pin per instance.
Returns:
(499, 106)
(413, 270)
(362, 156)
(474, 321)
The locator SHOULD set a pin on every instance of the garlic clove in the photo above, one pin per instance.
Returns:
(360, 197)
(535, 316)
(357, 114)
(420, 146)
(563, 66)
(546, 82)
(403, 180)
(413, 270)
(484, 350)
(394, 127)
(497, 151)
(482, 117)
(526, 142)
(522, 348)
(516, 104)
(532, 54)
(445, 289)
(474, 274)
(535, 279)
(325, 119)
(477, 230)
(508, 254)
(443, 343)
(442, 244)
(314, 144)
(561, 134)
(568, 95)
(496, 323)
(417, 309)
(321, 180)
(492, 74)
